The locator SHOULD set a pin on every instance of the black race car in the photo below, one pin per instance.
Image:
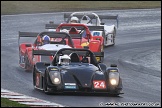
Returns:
(75, 70)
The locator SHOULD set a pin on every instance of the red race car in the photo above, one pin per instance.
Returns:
(48, 40)
(83, 38)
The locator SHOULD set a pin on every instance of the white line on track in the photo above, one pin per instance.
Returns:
(23, 99)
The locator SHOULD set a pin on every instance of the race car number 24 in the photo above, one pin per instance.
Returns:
(99, 84)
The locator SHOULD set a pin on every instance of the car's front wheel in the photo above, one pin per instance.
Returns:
(34, 77)
(45, 88)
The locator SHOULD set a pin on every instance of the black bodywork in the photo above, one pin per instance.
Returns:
(78, 76)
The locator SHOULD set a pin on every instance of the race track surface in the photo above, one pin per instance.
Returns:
(137, 53)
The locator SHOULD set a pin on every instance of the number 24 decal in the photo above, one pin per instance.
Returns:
(99, 84)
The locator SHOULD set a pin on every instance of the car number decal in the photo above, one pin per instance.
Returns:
(99, 84)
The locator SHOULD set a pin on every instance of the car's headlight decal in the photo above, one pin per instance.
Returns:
(114, 78)
(55, 77)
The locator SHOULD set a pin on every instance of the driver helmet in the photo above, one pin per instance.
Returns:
(74, 20)
(64, 60)
(85, 20)
(45, 39)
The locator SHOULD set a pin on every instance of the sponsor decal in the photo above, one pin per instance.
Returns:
(54, 69)
(98, 58)
(94, 42)
(70, 85)
(85, 44)
(113, 70)
(99, 84)
(96, 33)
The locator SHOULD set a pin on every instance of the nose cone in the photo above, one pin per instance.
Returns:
(84, 75)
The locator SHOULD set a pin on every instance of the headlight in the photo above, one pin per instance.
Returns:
(56, 80)
(55, 77)
(114, 78)
(113, 81)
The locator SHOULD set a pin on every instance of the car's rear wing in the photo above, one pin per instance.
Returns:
(44, 52)
(109, 17)
(91, 28)
(67, 15)
(26, 34)
(51, 26)
(91, 16)
(53, 52)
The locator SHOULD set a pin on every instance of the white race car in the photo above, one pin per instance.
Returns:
(92, 19)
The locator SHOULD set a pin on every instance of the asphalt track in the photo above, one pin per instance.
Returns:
(137, 53)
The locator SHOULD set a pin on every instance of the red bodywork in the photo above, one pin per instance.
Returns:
(26, 57)
(26, 52)
(94, 43)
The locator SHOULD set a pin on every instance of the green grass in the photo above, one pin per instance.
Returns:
(8, 103)
(19, 7)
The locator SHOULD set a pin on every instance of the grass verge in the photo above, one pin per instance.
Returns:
(8, 103)
(23, 7)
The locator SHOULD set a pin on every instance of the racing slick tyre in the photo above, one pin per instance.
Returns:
(102, 58)
(45, 88)
(34, 77)
(114, 35)
(27, 66)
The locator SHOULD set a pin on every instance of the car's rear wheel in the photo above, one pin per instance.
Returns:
(27, 67)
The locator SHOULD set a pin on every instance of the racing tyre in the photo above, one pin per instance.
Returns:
(114, 35)
(102, 50)
(27, 65)
(34, 77)
(26, 62)
(45, 84)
